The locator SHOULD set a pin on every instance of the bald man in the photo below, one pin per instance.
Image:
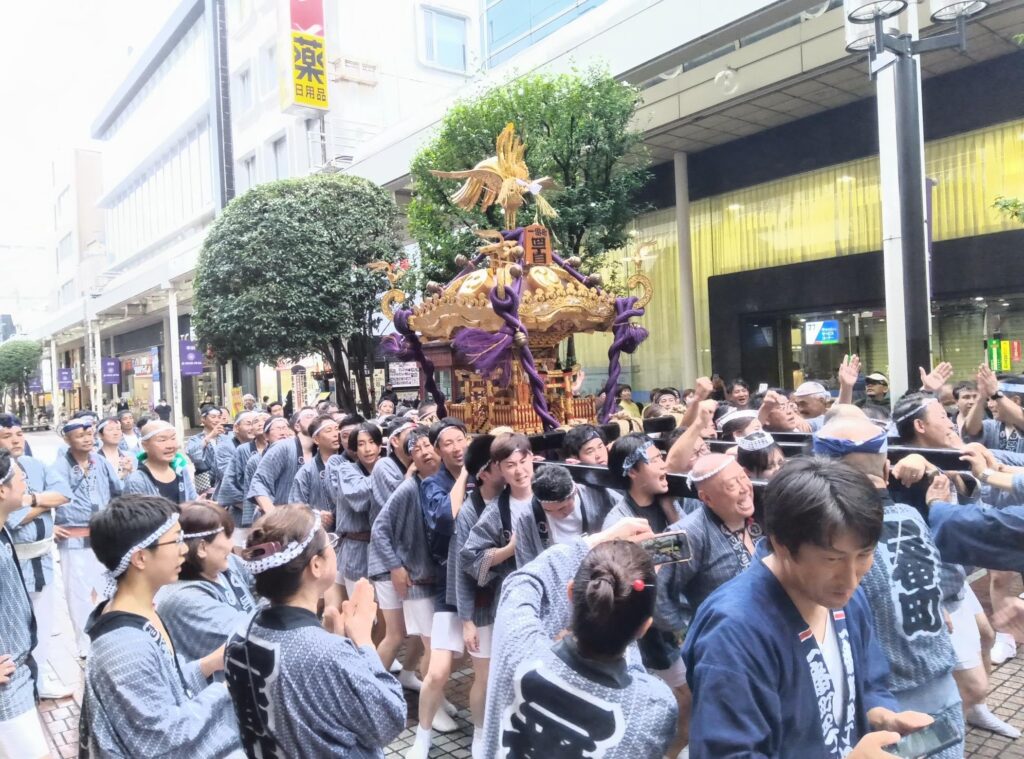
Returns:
(721, 535)
(906, 585)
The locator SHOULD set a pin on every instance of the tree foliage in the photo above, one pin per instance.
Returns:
(1011, 207)
(576, 128)
(282, 274)
(18, 360)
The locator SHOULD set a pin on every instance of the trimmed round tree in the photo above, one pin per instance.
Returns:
(283, 274)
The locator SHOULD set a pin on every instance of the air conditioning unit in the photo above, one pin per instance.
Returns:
(351, 70)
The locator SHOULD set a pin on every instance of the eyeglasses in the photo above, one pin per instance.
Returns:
(332, 539)
(177, 541)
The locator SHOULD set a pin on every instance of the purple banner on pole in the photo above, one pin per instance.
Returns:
(35, 385)
(65, 379)
(111, 370)
(190, 358)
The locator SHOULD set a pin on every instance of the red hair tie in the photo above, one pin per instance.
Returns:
(638, 585)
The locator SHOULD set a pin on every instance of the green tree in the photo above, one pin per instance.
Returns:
(18, 360)
(282, 274)
(576, 128)
(1011, 207)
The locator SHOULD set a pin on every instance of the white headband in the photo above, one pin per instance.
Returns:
(740, 413)
(161, 427)
(324, 423)
(245, 415)
(286, 554)
(920, 407)
(204, 534)
(112, 575)
(692, 478)
(756, 441)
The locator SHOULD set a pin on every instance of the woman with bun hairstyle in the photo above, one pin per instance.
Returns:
(301, 688)
(212, 597)
(565, 671)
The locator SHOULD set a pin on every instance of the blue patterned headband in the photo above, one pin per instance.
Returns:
(637, 455)
(836, 448)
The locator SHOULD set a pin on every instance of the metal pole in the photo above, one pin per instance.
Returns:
(688, 327)
(174, 345)
(97, 371)
(56, 394)
(913, 220)
(892, 237)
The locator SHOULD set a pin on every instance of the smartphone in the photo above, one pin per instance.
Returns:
(671, 547)
(927, 741)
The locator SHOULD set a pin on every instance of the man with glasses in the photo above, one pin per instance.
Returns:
(93, 482)
(779, 414)
(139, 698)
(720, 536)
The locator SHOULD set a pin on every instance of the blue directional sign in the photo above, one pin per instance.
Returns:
(821, 332)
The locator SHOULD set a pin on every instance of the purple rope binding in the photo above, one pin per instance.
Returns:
(627, 338)
(491, 353)
(407, 346)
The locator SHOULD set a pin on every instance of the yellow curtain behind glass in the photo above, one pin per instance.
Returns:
(658, 361)
(834, 211)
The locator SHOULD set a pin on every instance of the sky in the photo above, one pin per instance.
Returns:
(60, 60)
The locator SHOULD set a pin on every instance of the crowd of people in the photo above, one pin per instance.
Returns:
(275, 585)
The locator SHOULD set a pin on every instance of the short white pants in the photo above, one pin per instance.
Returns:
(419, 616)
(965, 637)
(22, 737)
(387, 596)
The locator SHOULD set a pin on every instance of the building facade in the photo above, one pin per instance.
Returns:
(763, 136)
(761, 128)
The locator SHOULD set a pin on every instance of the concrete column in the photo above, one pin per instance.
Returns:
(691, 365)
(229, 382)
(175, 362)
(55, 393)
(97, 370)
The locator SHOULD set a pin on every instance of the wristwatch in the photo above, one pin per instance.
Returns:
(996, 395)
(985, 474)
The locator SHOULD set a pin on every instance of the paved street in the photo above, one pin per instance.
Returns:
(61, 717)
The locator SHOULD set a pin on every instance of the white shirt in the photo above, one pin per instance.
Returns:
(567, 529)
(834, 662)
(132, 441)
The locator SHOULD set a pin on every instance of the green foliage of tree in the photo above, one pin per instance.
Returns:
(1011, 207)
(576, 128)
(282, 274)
(18, 360)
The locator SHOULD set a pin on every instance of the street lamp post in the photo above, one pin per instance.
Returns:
(873, 27)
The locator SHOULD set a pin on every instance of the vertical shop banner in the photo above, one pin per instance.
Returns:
(154, 361)
(1015, 350)
(1004, 355)
(305, 84)
(65, 379)
(236, 401)
(35, 385)
(190, 358)
(298, 386)
(111, 369)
